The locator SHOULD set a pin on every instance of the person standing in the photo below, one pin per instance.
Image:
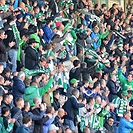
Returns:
(71, 106)
(18, 85)
(27, 120)
(3, 48)
(125, 124)
(31, 55)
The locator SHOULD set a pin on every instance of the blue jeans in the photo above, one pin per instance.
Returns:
(13, 56)
(70, 123)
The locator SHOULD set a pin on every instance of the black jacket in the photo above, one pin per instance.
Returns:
(113, 90)
(5, 121)
(38, 124)
(71, 106)
(80, 41)
(75, 73)
(3, 51)
(31, 57)
(56, 104)
(18, 87)
(10, 38)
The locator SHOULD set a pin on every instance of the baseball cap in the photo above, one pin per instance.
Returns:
(90, 81)
(72, 81)
(124, 93)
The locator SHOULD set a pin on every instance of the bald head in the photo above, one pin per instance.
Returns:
(61, 112)
(22, 5)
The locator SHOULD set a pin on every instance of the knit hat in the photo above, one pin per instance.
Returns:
(124, 93)
(72, 81)
(58, 24)
(91, 81)
(130, 90)
(71, 3)
(36, 37)
(106, 62)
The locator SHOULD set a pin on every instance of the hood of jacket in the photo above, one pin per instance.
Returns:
(30, 90)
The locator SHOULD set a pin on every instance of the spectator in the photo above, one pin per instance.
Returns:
(4, 49)
(48, 34)
(27, 120)
(7, 101)
(127, 82)
(7, 77)
(109, 125)
(2, 84)
(56, 97)
(75, 71)
(74, 84)
(1, 98)
(59, 119)
(47, 98)
(104, 47)
(52, 129)
(112, 88)
(8, 122)
(26, 111)
(18, 85)
(16, 113)
(1, 68)
(125, 124)
(51, 113)
(32, 91)
(94, 36)
(41, 64)
(71, 107)
(37, 110)
(31, 55)
(121, 104)
(81, 37)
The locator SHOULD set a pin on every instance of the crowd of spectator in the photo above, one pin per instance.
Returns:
(66, 66)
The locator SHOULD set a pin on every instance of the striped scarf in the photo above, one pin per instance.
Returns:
(120, 105)
(15, 32)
